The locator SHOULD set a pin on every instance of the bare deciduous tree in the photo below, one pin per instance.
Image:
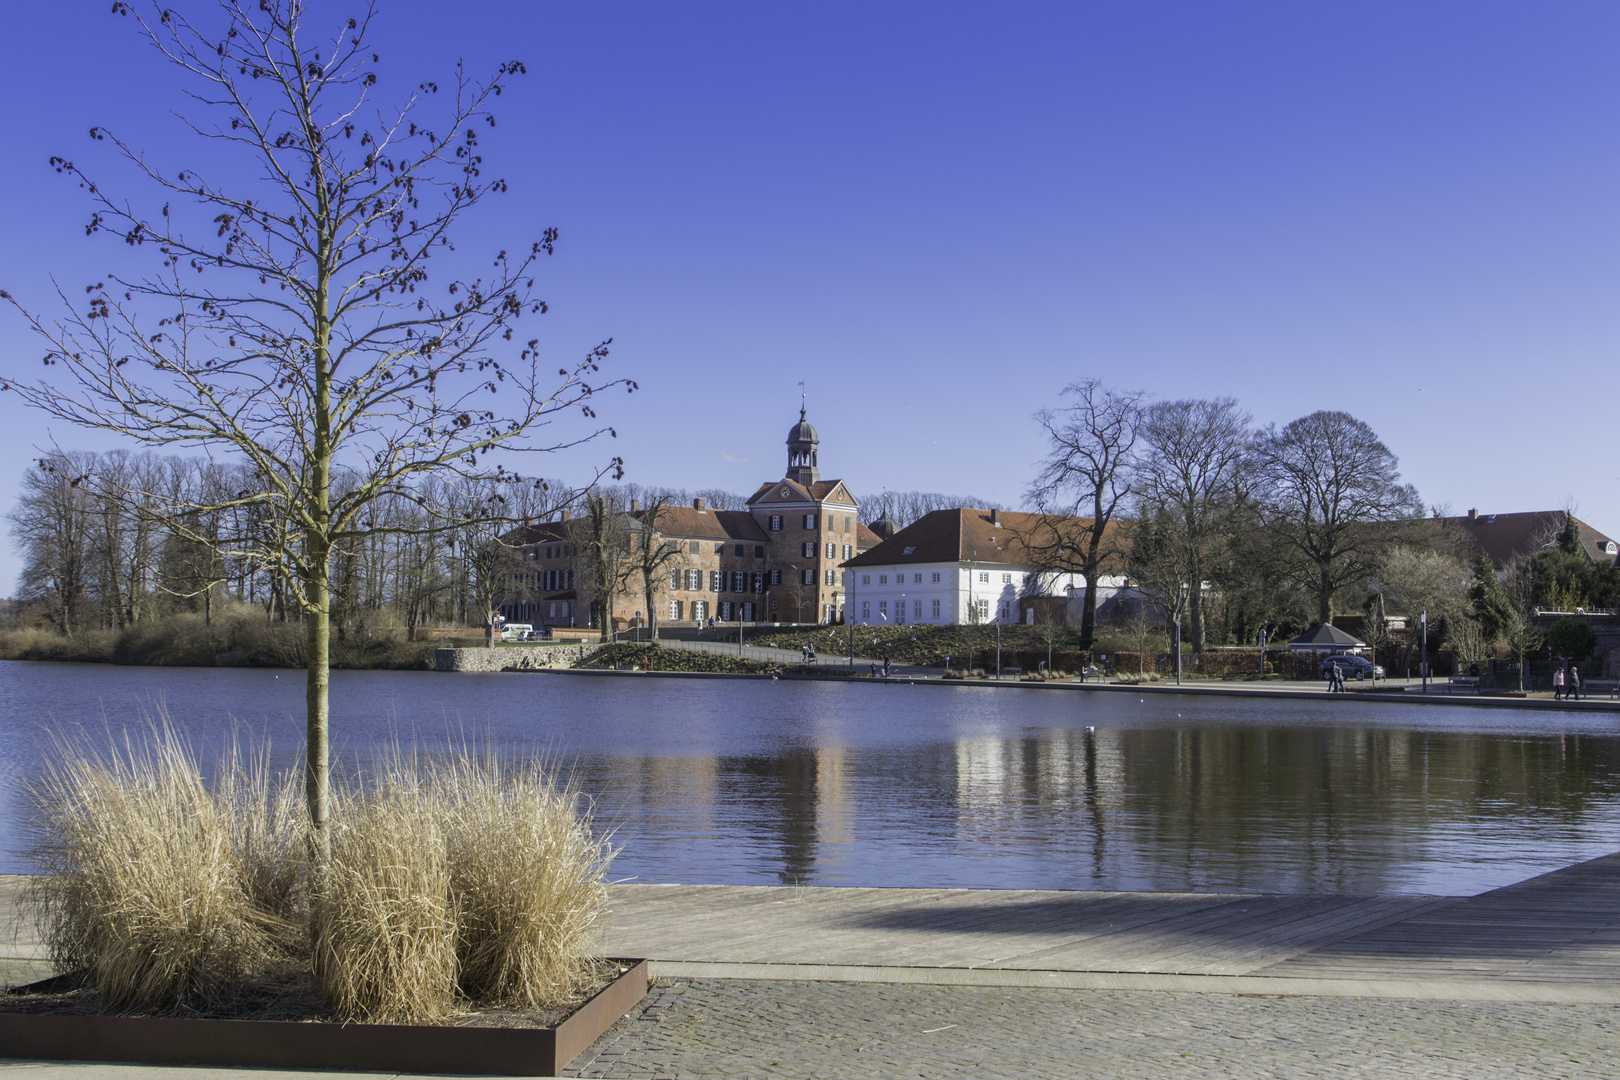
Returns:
(1082, 483)
(295, 322)
(1192, 471)
(1333, 489)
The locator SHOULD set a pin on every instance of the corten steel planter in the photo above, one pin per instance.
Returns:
(273, 1044)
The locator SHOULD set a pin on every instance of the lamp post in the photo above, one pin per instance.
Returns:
(1262, 654)
(1424, 663)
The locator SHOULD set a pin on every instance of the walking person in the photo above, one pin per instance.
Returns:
(885, 665)
(1558, 684)
(1575, 683)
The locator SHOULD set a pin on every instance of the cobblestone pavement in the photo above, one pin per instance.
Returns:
(726, 1028)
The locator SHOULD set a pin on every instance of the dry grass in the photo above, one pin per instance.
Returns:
(450, 880)
(147, 886)
(526, 869)
(385, 917)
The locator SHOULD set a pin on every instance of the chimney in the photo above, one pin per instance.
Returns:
(635, 506)
(697, 504)
(1473, 515)
(995, 518)
(566, 515)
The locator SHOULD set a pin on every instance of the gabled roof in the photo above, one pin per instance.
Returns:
(545, 532)
(1326, 635)
(692, 523)
(791, 491)
(979, 536)
(1505, 537)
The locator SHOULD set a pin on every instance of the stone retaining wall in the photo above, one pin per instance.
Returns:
(520, 658)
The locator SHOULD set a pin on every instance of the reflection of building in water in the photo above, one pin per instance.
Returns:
(835, 810)
(670, 795)
(799, 803)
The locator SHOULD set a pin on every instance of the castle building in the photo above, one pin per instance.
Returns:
(779, 560)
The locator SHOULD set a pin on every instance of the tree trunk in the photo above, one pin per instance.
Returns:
(317, 735)
(1195, 617)
(1324, 599)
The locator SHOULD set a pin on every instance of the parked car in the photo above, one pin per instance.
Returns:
(1352, 667)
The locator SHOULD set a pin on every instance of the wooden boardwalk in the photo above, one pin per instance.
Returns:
(1559, 932)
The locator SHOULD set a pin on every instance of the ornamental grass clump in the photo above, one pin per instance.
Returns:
(526, 870)
(385, 918)
(161, 889)
(447, 882)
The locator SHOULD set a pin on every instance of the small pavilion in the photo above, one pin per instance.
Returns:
(1325, 639)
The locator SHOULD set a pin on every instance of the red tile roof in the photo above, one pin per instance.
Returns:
(968, 535)
(1505, 537)
(687, 521)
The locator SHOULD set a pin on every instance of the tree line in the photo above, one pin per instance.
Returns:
(1234, 528)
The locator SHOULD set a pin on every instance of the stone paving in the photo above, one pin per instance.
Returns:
(722, 1028)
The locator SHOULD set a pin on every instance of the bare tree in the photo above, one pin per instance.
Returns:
(51, 525)
(1082, 483)
(297, 325)
(1333, 489)
(652, 557)
(905, 507)
(1192, 470)
(600, 541)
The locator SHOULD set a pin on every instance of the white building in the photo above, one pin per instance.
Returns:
(949, 565)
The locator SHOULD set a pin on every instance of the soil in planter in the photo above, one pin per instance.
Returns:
(292, 996)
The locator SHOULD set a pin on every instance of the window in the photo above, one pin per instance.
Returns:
(810, 522)
(984, 576)
(674, 545)
(776, 523)
(717, 581)
(866, 579)
(899, 613)
(692, 547)
(747, 613)
(720, 548)
(725, 611)
(700, 610)
(553, 609)
(984, 609)
(674, 610)
(916, 609)
(883, 609)
(809, 577)
(739, 581)
(674, 579)
(846, 551)
(832, 551)
(739, 551)
(846, 523)
(694, 580)
(808, 550)
(866, 610)
(831, 577)
(936, 577)
(1006, 579)
(551, 581)
(567, 582)
(565, 609)
(916, 579)
(759, 551)
(883, 579)
(776, 577)
(1003, 609)
(936, 609)
(759, 582)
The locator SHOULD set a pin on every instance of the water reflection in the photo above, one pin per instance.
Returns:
(756, 783)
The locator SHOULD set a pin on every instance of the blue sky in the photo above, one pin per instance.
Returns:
(937, 215)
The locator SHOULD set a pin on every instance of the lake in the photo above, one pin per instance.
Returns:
(825, 783)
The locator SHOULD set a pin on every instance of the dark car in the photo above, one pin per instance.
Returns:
(1352, 667)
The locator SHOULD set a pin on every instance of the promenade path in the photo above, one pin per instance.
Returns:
(1519, 982)
(1552, 938)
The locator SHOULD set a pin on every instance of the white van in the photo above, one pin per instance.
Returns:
(517, 631)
